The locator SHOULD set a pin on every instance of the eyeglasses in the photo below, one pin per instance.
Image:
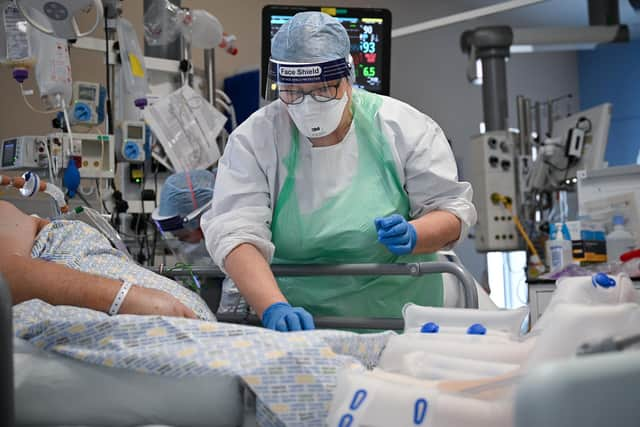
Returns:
(321, 94)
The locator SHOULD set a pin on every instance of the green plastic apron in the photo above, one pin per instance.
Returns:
(342, 231)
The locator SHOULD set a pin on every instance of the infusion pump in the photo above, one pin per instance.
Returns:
(23, 152)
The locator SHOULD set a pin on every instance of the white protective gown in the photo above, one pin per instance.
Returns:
(251, 174)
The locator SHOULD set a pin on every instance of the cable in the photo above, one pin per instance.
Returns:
(67, 122)
(507, 203)
(86, 202)
(31, 107)
(52, 177)
(84, 192)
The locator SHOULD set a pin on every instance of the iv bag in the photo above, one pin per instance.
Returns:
(53, 70)
(202, 29)
(16, 46)
(162, 23)
(133, 66)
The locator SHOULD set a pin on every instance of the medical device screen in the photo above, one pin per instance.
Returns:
(369, 31)
(9, 152)
(87, 93)
(134, 132)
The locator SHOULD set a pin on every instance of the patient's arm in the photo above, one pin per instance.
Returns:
(60, 285)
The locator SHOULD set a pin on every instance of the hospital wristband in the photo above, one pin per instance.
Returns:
(119, 299)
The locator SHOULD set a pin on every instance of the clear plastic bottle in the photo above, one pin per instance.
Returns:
(619, 240)
(559, 252)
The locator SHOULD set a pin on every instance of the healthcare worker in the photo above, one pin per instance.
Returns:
(184, 198)
(331, 174)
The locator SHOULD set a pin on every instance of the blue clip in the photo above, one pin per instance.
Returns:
(420, 411)
(358, 398)
(477, 329)
(430, 328)
(602, 280)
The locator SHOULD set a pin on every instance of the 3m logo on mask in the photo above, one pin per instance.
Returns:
(311, 71)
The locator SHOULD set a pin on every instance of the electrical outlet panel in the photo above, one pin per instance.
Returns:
(493, 174)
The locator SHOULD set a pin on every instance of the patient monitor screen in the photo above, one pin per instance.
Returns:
(368, 29)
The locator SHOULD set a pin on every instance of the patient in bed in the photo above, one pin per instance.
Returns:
(70, 263)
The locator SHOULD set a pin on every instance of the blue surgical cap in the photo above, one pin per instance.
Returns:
(177, 197)
(310, 37)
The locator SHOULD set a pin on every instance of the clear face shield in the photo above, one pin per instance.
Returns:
(314, 94)
(182, 234)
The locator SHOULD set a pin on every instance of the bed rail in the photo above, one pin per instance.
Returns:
(409, 269)
(6, 356)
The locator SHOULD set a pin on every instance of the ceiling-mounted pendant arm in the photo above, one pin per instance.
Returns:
(491, 45)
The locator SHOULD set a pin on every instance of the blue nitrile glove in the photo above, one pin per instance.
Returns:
(396, 234)
(284, 318)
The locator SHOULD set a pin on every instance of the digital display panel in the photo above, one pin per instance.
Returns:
(87, 93)
(9, 152)
(134, 132)
(369, 31)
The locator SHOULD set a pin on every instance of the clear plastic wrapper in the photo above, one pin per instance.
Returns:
(186, 126)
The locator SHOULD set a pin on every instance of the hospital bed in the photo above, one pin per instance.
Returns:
(53, 380)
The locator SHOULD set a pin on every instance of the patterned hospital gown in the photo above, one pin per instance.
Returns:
(81, 247)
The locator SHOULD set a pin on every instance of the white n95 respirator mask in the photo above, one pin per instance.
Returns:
(317, 119)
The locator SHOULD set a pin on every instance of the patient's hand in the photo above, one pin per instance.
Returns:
(148, 301)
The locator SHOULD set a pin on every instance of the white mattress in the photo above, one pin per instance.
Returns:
(54, 390)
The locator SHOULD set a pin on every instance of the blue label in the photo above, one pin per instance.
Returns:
(420, 411)
(346, 420)
(358, 399)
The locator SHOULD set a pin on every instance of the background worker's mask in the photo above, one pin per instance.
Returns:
(317, 119)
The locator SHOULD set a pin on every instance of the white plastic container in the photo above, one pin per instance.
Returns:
(559, 252)
(133, 68)
(619, 240)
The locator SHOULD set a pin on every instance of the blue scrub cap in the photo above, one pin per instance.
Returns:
(310, 37)
(178, 197)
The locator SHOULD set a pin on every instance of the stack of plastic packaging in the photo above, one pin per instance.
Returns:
(455, 367)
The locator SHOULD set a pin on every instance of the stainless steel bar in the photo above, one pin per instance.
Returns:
(522, 122)
(324, 322)
(410, 269)
(210, 75)
(6, 356)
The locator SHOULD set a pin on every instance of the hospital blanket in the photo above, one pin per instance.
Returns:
(292, 374)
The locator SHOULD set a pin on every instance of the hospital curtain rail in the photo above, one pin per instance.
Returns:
(409, 269)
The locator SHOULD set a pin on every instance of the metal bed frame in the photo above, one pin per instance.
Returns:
(409, 269)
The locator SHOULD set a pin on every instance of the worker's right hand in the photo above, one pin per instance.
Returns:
(147, 301)
(280, 316)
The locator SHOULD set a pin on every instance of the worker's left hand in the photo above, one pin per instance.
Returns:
(284, 318)
(397, 234)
